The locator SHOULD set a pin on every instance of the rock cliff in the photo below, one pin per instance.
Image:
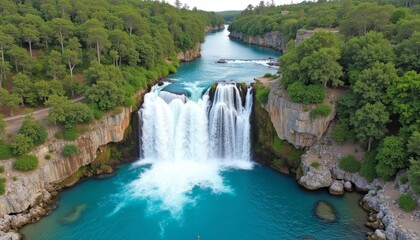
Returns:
(216, 28)
(272, 39)
(190, 55)
(293, 121)
(22, 190)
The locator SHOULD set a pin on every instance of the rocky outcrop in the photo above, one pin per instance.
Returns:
(190, 55)
(359, 181)
(214, 28)
(314, 177)
(272, 39)
(303, 34)
(293, 121)
(22, 190)
(336, 188)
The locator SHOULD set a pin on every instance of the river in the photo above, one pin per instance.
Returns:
(197, 177)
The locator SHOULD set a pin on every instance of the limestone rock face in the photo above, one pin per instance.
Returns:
(314, 178)
(24, 191)
(272, 39)
(190, 55)
(293, 121)
(336, 188)
(217, 28)
(360, 182)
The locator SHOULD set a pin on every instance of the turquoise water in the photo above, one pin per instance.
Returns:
(187, 199)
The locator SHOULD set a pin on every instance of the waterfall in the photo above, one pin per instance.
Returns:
(186, 145)
(174, 128)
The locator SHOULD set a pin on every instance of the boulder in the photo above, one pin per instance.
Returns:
(316, 179)
(348, 186)
(380, 234)
(336, 188)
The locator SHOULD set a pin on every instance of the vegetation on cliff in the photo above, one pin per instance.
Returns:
(373, 52)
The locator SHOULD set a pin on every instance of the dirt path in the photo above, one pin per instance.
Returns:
(14, 123)
(266, 82)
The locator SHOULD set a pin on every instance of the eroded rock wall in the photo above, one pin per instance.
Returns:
(293, 121)
(190, 55)
(272, 39)
(25, 188)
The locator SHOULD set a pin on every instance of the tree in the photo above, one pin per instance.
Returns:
(33, 130)
(19, 57)
(124, 48)
(363, 52)
(373, 82)
(413, 145)
(414, 175)
(178, 4)
(2, 125)
(322, 67)
(9, 100)
(105, 95)
(5, 41)
(21, 145)
(64, 112)
(22, 85)
(99, 38)
(404, 97)
(73, 54)
(132, 20)
(30, 34)
(55, 67)
(63, 29)
(391, 156)
(369, 122)
(408, 53)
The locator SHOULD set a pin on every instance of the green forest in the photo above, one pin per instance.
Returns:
(373, 54)
(53, 51)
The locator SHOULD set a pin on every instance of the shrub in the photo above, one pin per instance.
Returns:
(70, 134)
(22, 145)
(2, 185)
(315, 164)
(69, 150)
(392, 155)
(33, 130)
(406, 203)
(26, 163)
(342, 133)
(5, 151)
(1, 169)
(321, 109)
(368, 170)
(403, 180)
(47, 157)
(268, 75)
(300, 93)
(262, 94)
(414, 175)
(98, 114)
(349, 164)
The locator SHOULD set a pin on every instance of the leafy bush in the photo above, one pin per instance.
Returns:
(47, 157)
(321, 109)
(2, 185)
(1, 169)
(414, 175)
(392, 155)
(268, 75)
(98, 114)
(262, 94)
(26, 163)
(315, 164)
(69, 134)
(349, 164)
(22, 145)
(300, 93)
(406, 203)
(5, 151)
(33, 130)
(69, 150)
(342, 133)
(368, 170)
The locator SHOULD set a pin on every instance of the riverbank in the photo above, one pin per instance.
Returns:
(319, 169)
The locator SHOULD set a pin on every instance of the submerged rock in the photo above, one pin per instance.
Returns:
(325, 211)
(74, 215)
(336, 188)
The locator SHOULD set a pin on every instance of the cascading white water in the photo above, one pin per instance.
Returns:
(188, 144)
(174, 128)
